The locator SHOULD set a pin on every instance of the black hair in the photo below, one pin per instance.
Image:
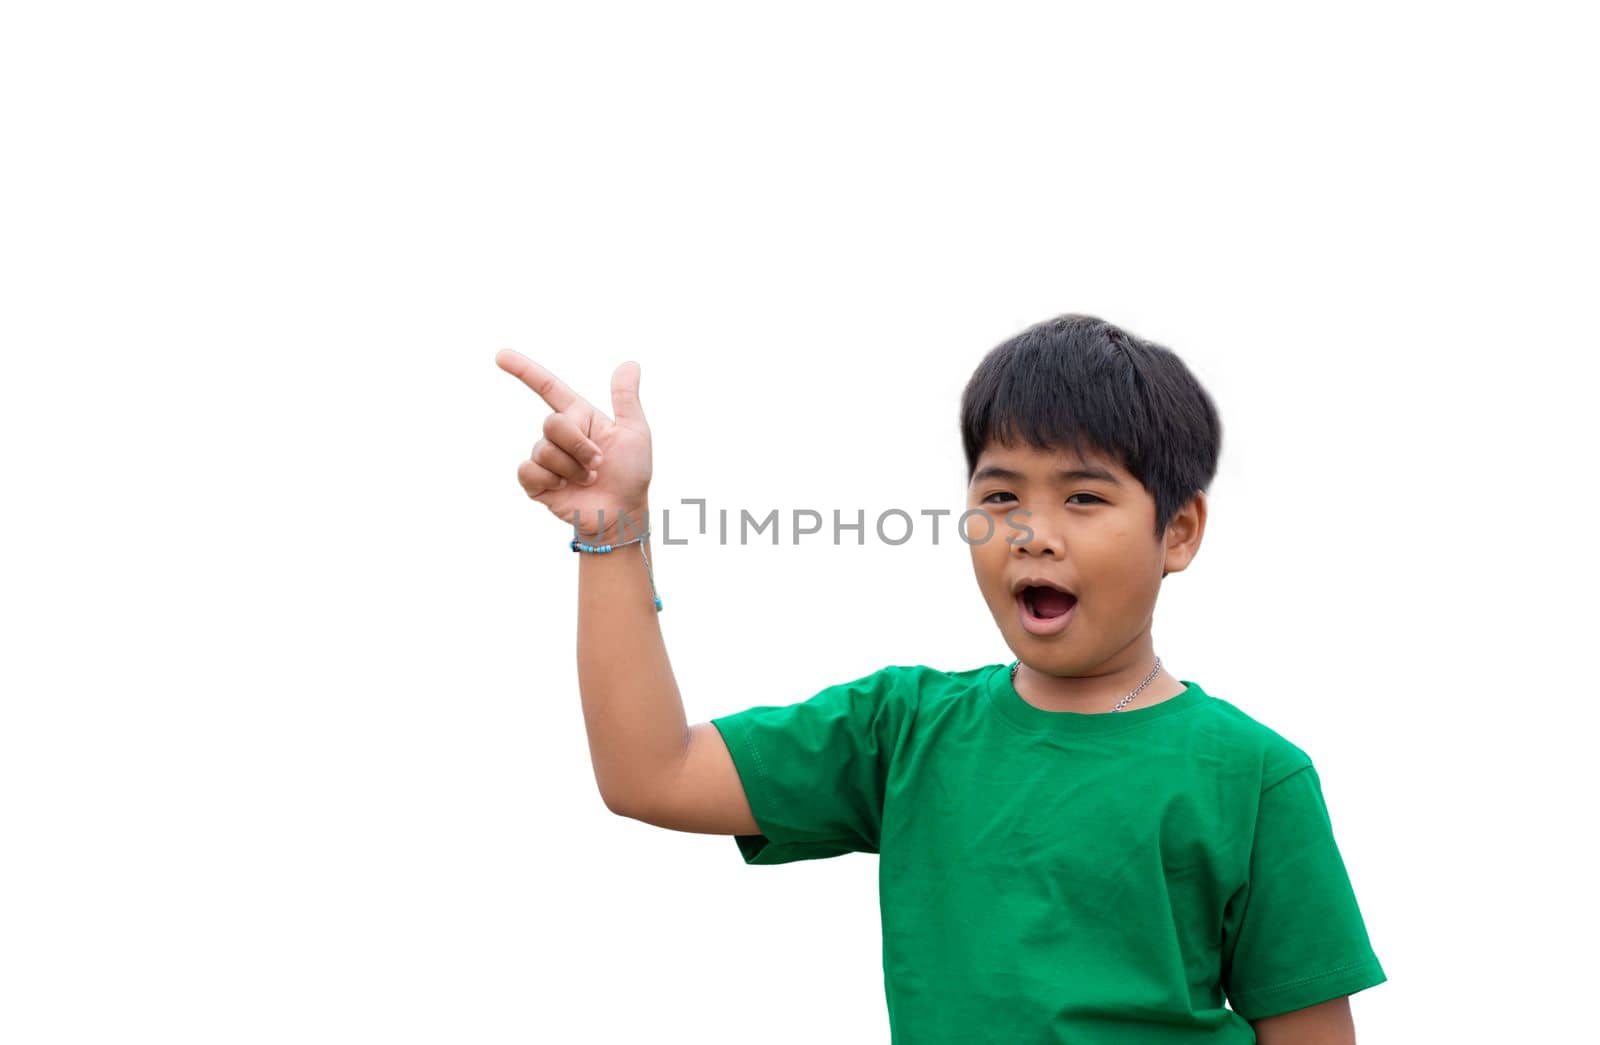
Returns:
(1076, 381)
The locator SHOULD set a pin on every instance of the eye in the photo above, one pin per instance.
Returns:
(998, 493)
(1091, 496)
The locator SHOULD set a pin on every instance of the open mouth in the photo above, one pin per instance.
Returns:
(1044, 610)
(1047, 603)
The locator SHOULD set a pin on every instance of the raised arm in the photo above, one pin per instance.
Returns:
(595, 470)
(650, 765)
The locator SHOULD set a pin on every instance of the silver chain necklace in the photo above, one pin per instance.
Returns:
(1153, 673)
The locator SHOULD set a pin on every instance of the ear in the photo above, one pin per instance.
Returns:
(1183, 535)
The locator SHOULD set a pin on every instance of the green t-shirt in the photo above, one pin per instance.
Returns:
(1055, 877)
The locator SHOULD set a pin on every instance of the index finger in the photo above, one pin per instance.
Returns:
(550, 387)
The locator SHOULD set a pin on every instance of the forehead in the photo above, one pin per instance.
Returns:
(1028, 460)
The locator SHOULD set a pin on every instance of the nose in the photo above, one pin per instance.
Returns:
(1033, 533)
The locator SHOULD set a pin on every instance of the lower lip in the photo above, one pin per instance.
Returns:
(1044, 625)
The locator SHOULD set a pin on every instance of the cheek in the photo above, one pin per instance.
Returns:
(985, 537)
(980, 529)
(1123, 573)
(988, 559)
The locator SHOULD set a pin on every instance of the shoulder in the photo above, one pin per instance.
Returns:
(921, 680)
(887, 690)
(932, 688)
(891, 691)
(1251, 741)
(910, 691)
(919, 685)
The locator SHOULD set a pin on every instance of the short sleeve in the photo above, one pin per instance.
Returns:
(1293, 935)
(814, 771)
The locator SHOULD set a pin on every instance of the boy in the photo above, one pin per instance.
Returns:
(1075, 846)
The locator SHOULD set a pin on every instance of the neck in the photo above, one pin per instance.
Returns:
(1099, 692)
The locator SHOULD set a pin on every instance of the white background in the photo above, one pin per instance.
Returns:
(292, 747)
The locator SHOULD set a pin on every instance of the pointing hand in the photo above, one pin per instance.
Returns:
(580, 441)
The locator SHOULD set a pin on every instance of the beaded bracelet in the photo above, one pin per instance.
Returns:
(600, 549)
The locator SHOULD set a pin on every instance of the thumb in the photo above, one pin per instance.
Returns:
(625, 393)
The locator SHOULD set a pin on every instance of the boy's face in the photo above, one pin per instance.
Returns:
(1091, 535)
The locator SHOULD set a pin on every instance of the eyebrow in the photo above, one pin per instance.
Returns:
(1070, 475)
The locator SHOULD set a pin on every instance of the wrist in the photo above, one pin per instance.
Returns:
(625, 525)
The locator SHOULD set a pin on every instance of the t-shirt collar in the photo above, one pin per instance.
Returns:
(1005, 698)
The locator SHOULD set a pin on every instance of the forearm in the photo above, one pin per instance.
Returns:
(631, 706)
